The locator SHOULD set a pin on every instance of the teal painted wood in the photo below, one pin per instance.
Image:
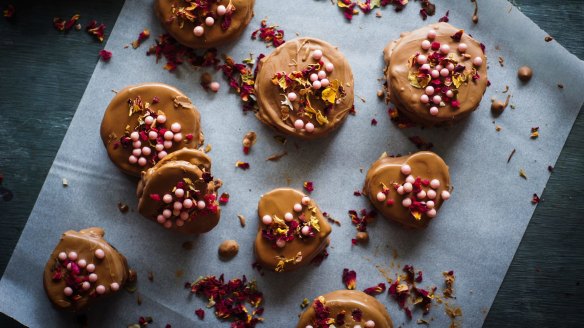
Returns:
(43, 75)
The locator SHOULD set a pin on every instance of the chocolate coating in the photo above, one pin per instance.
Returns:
(524, 73)
(406, 97)
(347, 301)
(173, 103)
(182, 30)
(387, 170)
(277, 203)
(296, 55)
(113, 268)
(164, 176)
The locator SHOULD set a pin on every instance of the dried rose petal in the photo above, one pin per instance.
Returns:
(308, 186)
(200, 313)
(105, 55)
(242, 165)
(224, 198)
(349, 278)
(269, 34)
(375, 290)
(95, 29)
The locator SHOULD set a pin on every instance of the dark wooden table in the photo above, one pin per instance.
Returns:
(43, 75)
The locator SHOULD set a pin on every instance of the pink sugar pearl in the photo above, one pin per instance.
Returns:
(329, 67)
(445, 49)
(424, 98)
(149, 120)
(99, 253)
(184, 215)
(175, 212)
(187, 203)
(297, 207)
(115, 286)
(317, 54)
(444, 72)
(198, 31)
(435, 183)
(429, 90)
(313, 77)
(462, 47)
(168, 224)
(93, 277)
(422, 59)
(305, 200)
(142, 161)
(209, 21)
(201, 204)
(406, 169)
(477, 61)
(288, 217)
(309, 127)
(135, 136)
(85, 285)
(267, 220)
(137, 152)
(281, 243)
(433, 110)
(449, 94)
(431, 213)
(407, 202)
(167, 213)
(161, 119)
(100, 289)
(72, 256)
(439, 67)
(298, 124)
(179, 192)
(306, 230)
(426, 44)
(321, 74)
(430, 204)
(180, 223)
(82, 263)
(381, 197)
(436, 99)
(445, 195)
(400, 190)
(137, 144)
(425, 67)
(325, 83)
(215, 86)
(168, 143)
(221, 10)
(177, 137)
(369, 324)
(162, 154)
(146, 151)
(450, 67)
(160, 219)
(316, 85)
(62, 256)
(408, 187)
(435, 73)
(152, 135)
(168, 135)
(90, 267)
(410, 179)
(292, 96)
(177, 205)
(431, 34)
(68, 291)
(421, 194)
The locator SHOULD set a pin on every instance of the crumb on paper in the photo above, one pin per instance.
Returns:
(65, 182)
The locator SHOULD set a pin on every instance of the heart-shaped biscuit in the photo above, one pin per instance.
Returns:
(82, 269)
(179, 192)
(408, 189)
(292, 230)
(354, 307)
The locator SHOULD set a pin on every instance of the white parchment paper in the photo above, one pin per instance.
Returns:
(475, 234)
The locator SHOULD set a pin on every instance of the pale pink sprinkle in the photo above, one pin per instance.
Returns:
(431, 34)
(215, 86)
(188, 203)
(445, 195)
(168, 224)
(435, 183)
(298, 124)
(400, 190)
(407, 202)
(444, 72)
(477, 61)
(317, 54)
(313, 77)
(85, 285)
(292, 96)
(137, 152)
(370, 324)
(281, 243)
(321, 74)
(100, 289)
(179, 192)
(146, 151)
(445, 49)
(93, 277)
(137, 144)
(462, 47)
(267, 219)
(297, 207)
(68, 291)
(69, 266)
(135, 136)
(152, 135)
(316, 85)
(309, 127)
(434, 111)
(288, 217)
(198, 31)
(175, 127)
(161, 119)
(90, 267)
(431, 213)
(72, 256)
(422, 59)
(142, 161)
(178, 137)
(437, 99)
(167, 213)
(410, 179)
(168, 135)
(381, 197)
(99, 253)
(435, 73)
(424, 98)
(430, 204)
(406, 169)
(168, 143)
(221, 10)
(177, 206)
(162, 154)
(329, 67)
(201, 204)
(160, 219)
(421, 194)
(175, 212)
(180, 223)
(149, 120)
(305, 200)
(429, 90)
(426, 44)
(305, 230)
(82, 263)
(325, 83)
(209, 21)
(408, 187)
(115, 286)
(167, 198)
(184, 215)
(425, 67)
(449, 94)
(450, 67)
(439, 67)
(62, 256)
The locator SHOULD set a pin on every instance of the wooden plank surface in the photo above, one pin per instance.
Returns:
(43, 75)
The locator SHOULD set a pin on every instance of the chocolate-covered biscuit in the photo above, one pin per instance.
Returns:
(82, 269)
(145, 122)
(408, 189)
(204, 24)
(292, 230)
(352, 307)
(179, 192)
(304, 88)
(435, 75)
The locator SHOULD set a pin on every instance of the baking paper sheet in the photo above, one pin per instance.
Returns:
(475, 234)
